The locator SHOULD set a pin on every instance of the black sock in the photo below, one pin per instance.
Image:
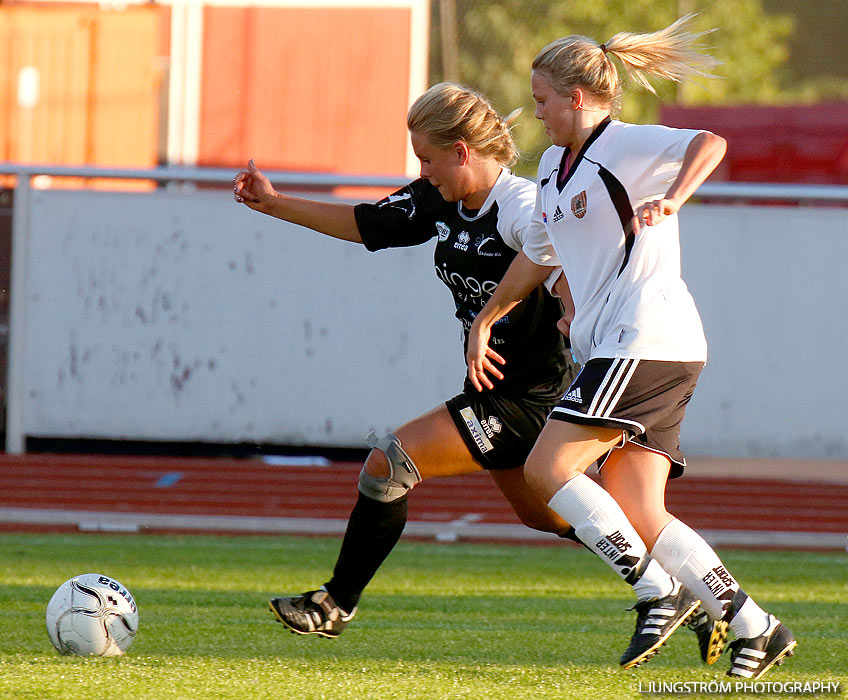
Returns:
(372, 532)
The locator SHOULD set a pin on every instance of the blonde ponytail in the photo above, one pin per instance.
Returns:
(672, 53)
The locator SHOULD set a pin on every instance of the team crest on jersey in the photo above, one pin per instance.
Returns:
(443, 229)
(578, 205)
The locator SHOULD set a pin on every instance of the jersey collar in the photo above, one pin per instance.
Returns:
(564, 176)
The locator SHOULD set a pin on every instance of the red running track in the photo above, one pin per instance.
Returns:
(250, 487)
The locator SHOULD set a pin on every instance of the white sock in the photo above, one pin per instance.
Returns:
(603, 527)
(687, 556)
(749, 621)
(655, 583)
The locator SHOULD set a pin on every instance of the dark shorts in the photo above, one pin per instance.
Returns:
(498, 430)
(646, 399)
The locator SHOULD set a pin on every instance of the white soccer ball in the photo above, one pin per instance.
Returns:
(92, 615)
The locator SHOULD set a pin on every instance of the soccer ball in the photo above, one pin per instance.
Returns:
(92, 615)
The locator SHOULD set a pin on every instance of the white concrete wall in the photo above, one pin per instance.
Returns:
(187, 317)
(172, 316)
(771, 286)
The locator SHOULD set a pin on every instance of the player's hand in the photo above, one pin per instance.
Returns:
(651, 213)
(564, 325)
(562, 290)
(480, 358)
(252, 188)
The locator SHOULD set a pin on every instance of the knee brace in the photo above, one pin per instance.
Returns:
(403, 474)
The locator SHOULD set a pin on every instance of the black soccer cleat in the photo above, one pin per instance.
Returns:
(655, 621)
(313, 612)
(712, 635)
(751, 658)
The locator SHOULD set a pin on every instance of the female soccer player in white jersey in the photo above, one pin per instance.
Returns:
(479, 214)
(607, 198)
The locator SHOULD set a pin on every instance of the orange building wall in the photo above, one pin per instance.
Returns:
(298, 88)
(306, 89)
(99, 85)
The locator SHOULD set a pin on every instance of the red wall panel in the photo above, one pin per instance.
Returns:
(766, 143)
(306, 89)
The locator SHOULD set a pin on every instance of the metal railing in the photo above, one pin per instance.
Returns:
(171, 174)
(736, 191)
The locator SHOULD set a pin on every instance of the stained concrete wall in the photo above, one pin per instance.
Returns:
(181, 316)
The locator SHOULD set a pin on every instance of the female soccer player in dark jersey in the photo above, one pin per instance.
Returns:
(608, 195)
(479, 213)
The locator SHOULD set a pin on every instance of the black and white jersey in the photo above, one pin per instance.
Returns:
(629, 298)
(472, 253)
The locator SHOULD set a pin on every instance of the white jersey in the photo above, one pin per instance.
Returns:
(629, 298)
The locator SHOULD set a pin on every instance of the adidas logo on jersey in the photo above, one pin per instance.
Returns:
(558, 214)
(573, 395)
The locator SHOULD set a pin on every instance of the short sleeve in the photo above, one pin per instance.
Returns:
(517, 223)
(551, 280)
(537, 245)
(404, 218)
(654, 156)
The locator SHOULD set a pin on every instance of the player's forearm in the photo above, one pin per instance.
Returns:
(330, 218)
(703, 154)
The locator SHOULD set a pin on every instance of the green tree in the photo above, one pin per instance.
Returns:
(498, 39)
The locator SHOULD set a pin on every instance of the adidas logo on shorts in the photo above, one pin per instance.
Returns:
(573, 395)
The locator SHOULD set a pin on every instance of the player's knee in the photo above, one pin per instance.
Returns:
(377, 465)
(545, 477)
(389, 473)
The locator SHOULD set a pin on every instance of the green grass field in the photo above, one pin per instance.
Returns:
(439, 621)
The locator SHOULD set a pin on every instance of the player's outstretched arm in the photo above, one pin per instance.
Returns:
(703, 154)
(522, 277)
(254, 190)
